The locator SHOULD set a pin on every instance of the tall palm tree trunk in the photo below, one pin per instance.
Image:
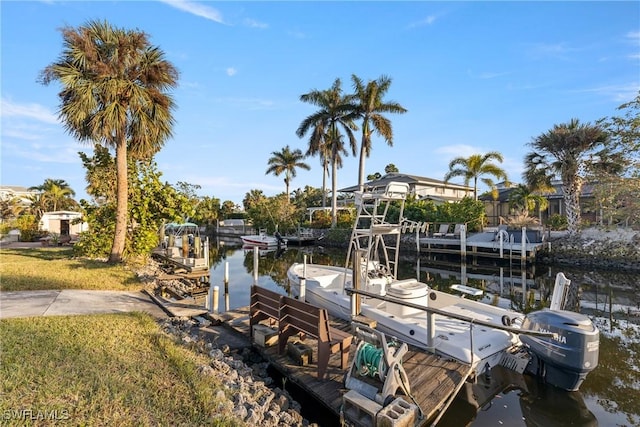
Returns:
(363, 154)
(324, 184)
(571, 191)
(334, 194)
(122, 190)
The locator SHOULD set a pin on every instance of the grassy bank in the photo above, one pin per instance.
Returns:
(117, 369)
(54, 268)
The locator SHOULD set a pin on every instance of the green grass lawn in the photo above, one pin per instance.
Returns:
(54, 268)
(115, 369)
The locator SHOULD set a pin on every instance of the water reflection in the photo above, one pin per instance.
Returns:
(609, 396)
(492, 398)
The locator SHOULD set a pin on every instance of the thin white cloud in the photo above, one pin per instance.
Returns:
(429, 20)
(634, 36)
(252, 23)
(31, 111)
(552, 50)
(246, 103)
(487, 74)
(297, 34)
(196, 9)
(618, 93)
(65, 153)
(458, 150)
(231, 71)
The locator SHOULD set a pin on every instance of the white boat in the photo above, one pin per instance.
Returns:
(478, 334)
(262, 239)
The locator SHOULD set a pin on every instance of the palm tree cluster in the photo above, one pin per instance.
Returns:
(337, 117)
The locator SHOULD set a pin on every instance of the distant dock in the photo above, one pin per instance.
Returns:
(488, 244)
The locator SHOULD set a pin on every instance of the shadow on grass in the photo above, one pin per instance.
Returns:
(48, 254)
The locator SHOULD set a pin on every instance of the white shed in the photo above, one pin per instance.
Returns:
(63, 223)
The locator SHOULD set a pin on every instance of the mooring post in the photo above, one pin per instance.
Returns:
(303, 289)
(463, 241)
(216, 296)
(431, 330)
(226, 286)
(206, 252)
(255, 265)
(304, 266)
(523, 247)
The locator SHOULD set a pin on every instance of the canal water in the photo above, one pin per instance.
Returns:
(610, 396)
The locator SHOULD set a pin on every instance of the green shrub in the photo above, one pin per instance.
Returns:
(557, 222)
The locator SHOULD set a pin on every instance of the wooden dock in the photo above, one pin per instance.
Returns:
(434, 380)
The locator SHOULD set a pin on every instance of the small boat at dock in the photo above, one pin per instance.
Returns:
(262, 239)
(559, 346)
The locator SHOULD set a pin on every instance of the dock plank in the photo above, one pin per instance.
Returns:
(433, 378)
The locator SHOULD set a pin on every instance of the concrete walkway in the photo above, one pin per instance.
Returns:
(72, 302)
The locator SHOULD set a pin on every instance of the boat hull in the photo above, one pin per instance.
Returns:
(324, 287)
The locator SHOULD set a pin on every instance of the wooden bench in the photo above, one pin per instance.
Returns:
(265, 305)
(300, 317)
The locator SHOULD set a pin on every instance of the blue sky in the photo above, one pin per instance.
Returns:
(475, 77)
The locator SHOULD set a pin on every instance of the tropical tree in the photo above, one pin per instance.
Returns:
(370, 107)
(56, 194)
(569, 150)
(475, 167)
(624, 131)
(252, 198)
(10, 208)
(391, 168)
(227, 208)
(286, 161)
(336, 115)
(207, 211)
(524, 200)
(114, 93)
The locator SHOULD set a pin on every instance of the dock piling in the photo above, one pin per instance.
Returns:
(216, 295)
(226, 286)
(255, 265)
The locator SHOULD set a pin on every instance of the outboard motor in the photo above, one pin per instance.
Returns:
(565, 359)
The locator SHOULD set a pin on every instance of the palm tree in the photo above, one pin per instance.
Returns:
(56, 194)
(335, 145)
(474, 167)
(524, 199)
(252, 198)
(568, 150)
(370, 106)
(59, 198)
(113, 93)
(11, 208)
(335, 114)
(286, 161)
